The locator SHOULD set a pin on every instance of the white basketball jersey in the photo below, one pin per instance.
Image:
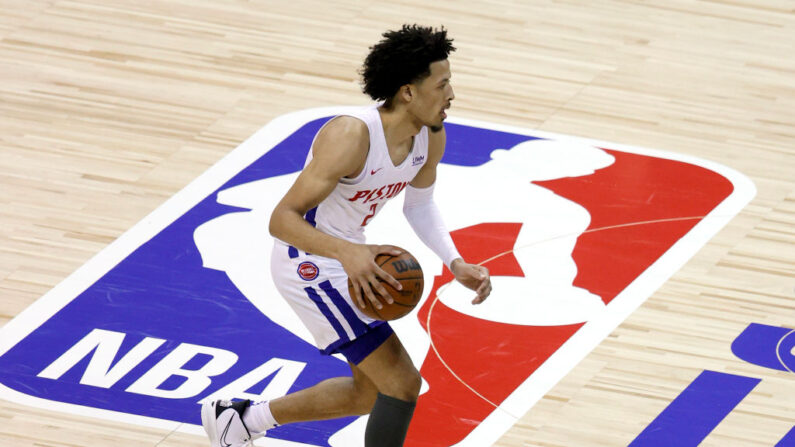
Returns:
(355, 202)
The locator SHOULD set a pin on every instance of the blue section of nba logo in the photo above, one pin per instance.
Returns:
(159, 332)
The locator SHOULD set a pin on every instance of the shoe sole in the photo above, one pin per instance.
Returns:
(208, 422)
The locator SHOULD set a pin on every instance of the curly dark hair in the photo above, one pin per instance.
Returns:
(402, 57)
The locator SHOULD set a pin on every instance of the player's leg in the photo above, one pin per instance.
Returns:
(336, 397)
(326, 310)
(329, 399)
(385, 384)
(398, 382)
(237, 422)
(376, 352)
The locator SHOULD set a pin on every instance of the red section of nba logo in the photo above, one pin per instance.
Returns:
(640, 206)
(488, 357)
(308, 271)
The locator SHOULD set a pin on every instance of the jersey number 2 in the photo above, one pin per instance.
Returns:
(372, 213)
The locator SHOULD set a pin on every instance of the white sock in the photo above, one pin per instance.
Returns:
(258, 417)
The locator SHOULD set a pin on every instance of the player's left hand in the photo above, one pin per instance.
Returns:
(472, 276)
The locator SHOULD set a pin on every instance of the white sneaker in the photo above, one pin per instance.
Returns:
(223, 422)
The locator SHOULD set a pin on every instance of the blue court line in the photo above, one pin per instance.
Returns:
(696, 411)
(788, 440)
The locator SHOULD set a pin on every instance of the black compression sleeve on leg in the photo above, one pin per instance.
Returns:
(389, 422)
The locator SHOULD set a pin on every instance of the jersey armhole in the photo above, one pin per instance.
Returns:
(344, 180)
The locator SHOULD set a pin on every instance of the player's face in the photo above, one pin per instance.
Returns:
(434, 96)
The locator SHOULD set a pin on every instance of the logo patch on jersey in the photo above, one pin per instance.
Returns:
(417, 160)
(576, 234)
(308, 271)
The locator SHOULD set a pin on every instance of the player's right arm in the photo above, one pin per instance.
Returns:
(340, 150)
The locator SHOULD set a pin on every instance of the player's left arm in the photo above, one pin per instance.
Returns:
(425, 219)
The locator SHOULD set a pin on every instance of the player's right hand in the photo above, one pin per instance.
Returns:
(364, 273)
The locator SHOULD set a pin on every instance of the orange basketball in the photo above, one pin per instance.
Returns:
(408, 272)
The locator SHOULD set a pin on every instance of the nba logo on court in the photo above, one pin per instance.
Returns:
(181, 308)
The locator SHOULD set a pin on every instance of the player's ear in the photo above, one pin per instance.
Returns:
(407, 93)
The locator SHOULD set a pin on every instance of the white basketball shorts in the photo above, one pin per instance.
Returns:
(317, 289)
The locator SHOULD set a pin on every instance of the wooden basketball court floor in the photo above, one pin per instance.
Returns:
(107, 108)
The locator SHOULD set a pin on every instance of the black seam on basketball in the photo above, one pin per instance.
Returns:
(388, 258)
(404, 305)
(402, 278)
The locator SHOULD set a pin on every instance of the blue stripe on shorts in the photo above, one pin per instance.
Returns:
(310, 216)
(358, 326)
(326, 313)
(368, 337)
(358, 349)
(292, 252)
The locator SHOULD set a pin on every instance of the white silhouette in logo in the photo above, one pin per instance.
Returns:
(500, 190)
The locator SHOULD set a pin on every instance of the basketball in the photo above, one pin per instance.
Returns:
(408, 272)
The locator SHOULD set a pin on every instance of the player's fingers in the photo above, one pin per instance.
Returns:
(379, 288)
(486, 284)
(389, 279)
(368, 292)
(482, 293)
(357, 295)
(389, 249)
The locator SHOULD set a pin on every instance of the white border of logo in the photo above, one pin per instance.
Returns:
(500, 420)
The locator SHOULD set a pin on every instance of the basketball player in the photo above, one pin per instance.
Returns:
(356, 164)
